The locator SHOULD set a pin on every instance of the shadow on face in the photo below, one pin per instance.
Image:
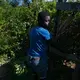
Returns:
(45, 22)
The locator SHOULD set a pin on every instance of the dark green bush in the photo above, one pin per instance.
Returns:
(15, 23)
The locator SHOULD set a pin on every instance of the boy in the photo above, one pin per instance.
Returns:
(37, 54)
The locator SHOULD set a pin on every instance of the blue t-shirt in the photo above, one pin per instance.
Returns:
(38, 41)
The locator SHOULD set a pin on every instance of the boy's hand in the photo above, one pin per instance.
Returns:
(69, 64)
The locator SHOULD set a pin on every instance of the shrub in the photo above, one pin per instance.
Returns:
(15, 23)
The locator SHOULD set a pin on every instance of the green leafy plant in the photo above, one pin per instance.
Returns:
(15, 23)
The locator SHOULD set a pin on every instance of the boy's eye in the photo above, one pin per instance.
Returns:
(47, 20)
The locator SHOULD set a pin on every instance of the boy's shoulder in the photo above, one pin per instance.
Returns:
(41, 29)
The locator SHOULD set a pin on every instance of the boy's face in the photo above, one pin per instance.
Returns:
(46, 21)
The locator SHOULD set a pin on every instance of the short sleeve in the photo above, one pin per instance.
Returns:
(45, 33)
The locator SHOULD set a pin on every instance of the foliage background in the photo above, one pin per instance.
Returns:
(15, 23)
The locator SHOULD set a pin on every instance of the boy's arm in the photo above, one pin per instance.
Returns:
(49, 37)
(52, 42)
